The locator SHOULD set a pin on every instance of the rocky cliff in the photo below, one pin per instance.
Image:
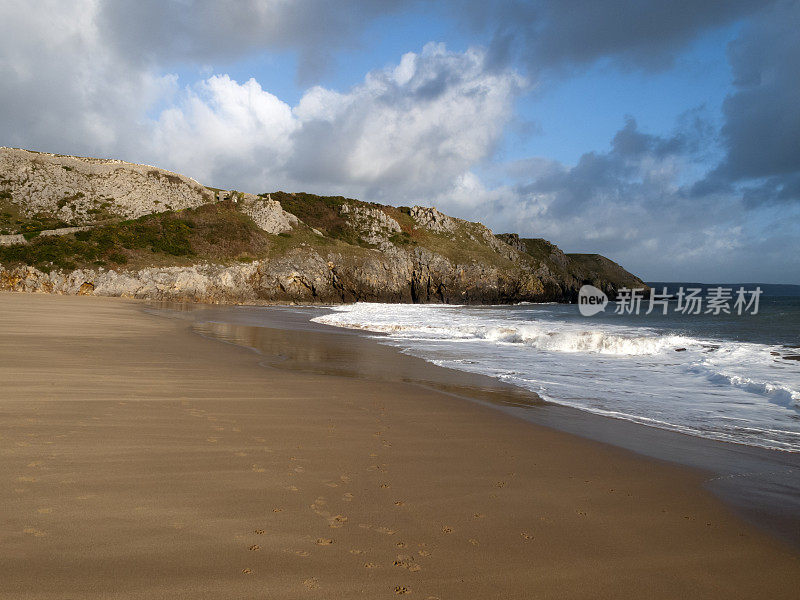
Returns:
(86, 226)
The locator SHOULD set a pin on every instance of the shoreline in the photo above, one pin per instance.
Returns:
(762, 485)
(142, 460)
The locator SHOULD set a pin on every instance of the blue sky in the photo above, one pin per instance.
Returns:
(657, 133)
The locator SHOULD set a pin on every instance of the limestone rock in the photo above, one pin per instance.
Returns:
(267, 213)
(375, 227)
(432, 219)
(87, 190)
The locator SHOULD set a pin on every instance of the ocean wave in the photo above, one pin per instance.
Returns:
(541, 336)
(722, 389)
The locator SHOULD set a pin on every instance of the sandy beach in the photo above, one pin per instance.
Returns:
(141, 460)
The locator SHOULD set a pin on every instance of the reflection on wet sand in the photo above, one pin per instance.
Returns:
(353, 356)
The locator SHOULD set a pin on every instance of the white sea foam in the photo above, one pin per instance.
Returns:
(731, 391)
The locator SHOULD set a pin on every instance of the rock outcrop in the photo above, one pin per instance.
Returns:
(374, 226)
(267, 213)
(432, 220)
(85, 190)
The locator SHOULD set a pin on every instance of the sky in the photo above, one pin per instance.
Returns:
(664, 134)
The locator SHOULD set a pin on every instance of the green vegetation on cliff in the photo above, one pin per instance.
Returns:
(210, 232)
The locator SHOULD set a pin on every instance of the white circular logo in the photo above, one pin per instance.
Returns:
(591, 300)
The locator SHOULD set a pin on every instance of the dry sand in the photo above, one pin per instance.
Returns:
(140, 460)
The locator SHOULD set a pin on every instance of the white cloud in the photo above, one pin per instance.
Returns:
(406, 132)
(220, 127)
(61, 89)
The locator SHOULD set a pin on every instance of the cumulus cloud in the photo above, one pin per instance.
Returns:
(407, 131)
(225, 133)
(61, 90)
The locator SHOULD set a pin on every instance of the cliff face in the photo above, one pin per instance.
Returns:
(163, 236)
(566, 273)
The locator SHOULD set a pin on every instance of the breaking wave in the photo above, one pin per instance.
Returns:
(727, 390)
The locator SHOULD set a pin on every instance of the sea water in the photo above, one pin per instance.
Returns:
(727, 377)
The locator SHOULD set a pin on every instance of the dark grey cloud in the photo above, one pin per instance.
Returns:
(619, 174)
(207, 31)
(633, 204)
(761, 132)
(645, 34)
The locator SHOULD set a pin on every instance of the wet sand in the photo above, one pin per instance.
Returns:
(141, 460)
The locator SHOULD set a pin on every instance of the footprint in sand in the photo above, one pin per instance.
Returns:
(332, 484)
(258, 469)
(384, 485)
(383, 530)
(423, 553)
(337, 521)
(399, 503)
(246, 571)
(407, 562)
(300, 553)
(478, 516)
(526, 536)
(500, 484)
(254, 548)
(34, 532)
(446, 529)
(259, 532)
(344, 478)
(401, 544)
(277, 510)
(370, 565)
(324, 541)
(348, 497)
(474, 542)
(357, 552)
(311, 583)
(401, 589)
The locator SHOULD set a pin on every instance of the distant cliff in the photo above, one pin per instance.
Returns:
(74, 225)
